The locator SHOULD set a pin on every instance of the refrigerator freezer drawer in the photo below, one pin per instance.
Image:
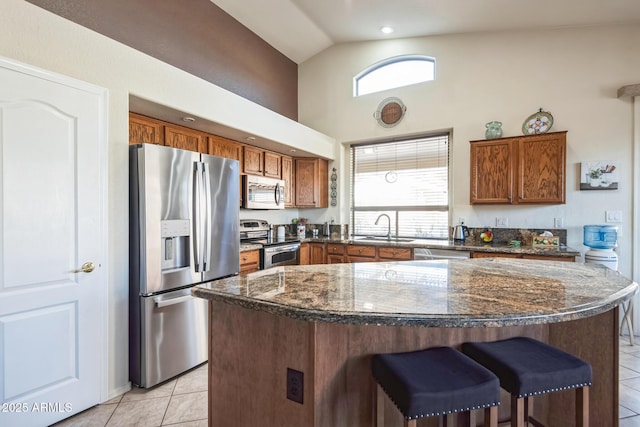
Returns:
(173, 336)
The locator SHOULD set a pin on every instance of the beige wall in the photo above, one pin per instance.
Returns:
(39, 38)
(572, 73)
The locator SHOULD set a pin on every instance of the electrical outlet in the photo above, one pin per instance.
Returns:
(502, 221)
(613, 216)
(558, 223)
(461, 220)
(295, 385)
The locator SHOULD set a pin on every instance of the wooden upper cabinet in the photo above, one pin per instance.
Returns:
(272, 165)
(229, 149)
(223, 147)
(492, 177)
(519, 170)
(260, 162)
(288, 177)
(253, 160)
(311, 183)
(542, 168)
(143, 129)
(185, 138)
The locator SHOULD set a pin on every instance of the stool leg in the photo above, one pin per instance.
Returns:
(379, 409)
(582, 407)
(627, 309)
(409, 423)
(491, 416)
(517, 411)
(528, 409)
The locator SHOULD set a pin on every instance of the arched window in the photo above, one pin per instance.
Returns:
(394, 72)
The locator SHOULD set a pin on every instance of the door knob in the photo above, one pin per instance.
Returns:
(87, 267)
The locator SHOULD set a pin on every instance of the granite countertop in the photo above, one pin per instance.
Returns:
(250, 246)
(480, 292)
(561, 251)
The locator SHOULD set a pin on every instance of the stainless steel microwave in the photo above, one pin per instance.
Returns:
(262, 193)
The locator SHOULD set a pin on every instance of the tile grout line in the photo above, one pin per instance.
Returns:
(169, 402)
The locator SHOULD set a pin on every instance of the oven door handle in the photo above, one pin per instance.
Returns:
(283, 248)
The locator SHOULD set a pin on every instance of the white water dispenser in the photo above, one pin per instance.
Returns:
(602, 240)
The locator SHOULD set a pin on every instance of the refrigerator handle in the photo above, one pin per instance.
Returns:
(207, 232)
(196, 215)
(173, 301)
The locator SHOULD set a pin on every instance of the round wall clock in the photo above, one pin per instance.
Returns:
(390, 112)
(539, 122)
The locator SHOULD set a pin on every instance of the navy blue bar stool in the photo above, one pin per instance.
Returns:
(527, 367)
(434, 382)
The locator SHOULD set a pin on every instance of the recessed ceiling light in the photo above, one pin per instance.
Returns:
(250, 138)
(188, 119)
(386, 29)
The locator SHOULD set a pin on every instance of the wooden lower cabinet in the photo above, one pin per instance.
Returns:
(249, 261)
(358, 253)
(549, 258)
(521, 256)
(335, 253)
(305, 254)
(316, 253)
(395, 254)
(312, 253)
(338, 253)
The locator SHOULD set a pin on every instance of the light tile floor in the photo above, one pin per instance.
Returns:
(183, 401)
(629, 375)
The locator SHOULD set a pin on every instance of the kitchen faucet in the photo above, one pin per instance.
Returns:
(389, 223)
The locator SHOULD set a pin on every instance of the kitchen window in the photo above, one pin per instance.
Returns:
(394, 72)
(407, 180)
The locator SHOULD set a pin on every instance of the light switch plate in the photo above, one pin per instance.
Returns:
(502, 221)
(613, 216)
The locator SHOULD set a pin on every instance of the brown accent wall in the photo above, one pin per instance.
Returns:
(198, 37)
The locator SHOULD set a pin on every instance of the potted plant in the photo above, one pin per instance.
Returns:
(594, 177)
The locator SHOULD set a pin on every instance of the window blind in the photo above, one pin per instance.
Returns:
(407, 180)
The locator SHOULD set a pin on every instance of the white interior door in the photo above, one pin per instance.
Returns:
(52, 207)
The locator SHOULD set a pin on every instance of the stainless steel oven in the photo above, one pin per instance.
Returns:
(280, 254)
(275, 251)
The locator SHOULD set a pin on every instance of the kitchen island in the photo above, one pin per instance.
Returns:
(326, 321)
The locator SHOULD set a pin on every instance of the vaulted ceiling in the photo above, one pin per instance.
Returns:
(302, 28)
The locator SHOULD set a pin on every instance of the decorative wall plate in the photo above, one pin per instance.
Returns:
(390, 112)
(539, 122)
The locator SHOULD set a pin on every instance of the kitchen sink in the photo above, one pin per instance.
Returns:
(382, 239)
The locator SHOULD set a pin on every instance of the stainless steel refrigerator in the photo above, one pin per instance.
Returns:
(184, 230)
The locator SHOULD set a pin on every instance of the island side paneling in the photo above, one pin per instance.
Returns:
(596, 340)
